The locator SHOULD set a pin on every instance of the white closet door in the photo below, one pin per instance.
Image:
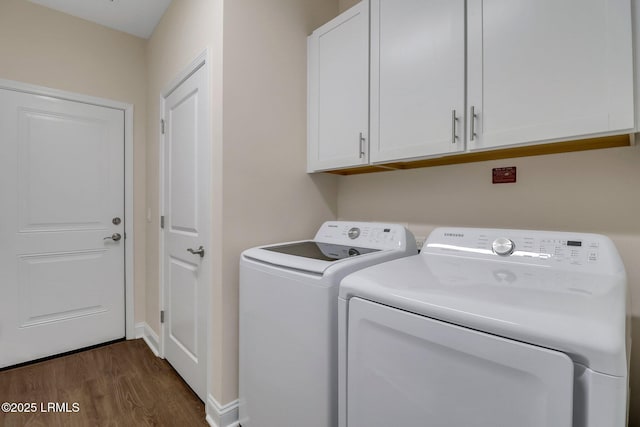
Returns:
(187, 233)
(417, 78)
(546, 70)
(61, 247)
(409, 370)
(338, 84)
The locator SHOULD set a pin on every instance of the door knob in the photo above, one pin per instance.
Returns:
(199, 251)
(115, 237)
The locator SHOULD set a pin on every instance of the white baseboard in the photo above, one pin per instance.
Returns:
(222, 416)
(145, 332)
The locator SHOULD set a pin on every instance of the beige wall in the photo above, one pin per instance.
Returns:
(346, 4)
(268, 197)
(42, 47)
(592, 191)
(261, 191)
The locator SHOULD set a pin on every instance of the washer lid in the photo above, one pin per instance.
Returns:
(338, 243)
(309, 265)
(318, 250)
(307, 255)
(580, 312)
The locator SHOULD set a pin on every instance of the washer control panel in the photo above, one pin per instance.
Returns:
(365, 235)
(570, 250)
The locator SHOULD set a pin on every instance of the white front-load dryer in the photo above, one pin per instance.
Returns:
(289, 324)
(487, 327)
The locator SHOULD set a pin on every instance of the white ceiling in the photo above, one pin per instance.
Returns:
(137, 17)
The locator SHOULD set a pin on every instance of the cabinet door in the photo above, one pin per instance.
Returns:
(417, 78)
(338, 84)
(547, 70)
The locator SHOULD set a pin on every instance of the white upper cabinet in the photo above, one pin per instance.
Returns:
(452, 76)
(417, 78)
(547, 70)
(338, 97)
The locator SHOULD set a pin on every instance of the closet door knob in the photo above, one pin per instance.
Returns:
(199, 251)
(115, 237)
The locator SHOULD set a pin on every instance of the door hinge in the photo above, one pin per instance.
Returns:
(162, 316)
(162, 126)
(162, 222)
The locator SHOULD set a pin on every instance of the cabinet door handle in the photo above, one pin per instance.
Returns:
(454, 119)
(362, 140)
(474, 116)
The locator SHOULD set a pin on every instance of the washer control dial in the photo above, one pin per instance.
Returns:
(503, 246)
(354, 233)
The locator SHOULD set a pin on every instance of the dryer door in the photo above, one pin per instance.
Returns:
(408, 370)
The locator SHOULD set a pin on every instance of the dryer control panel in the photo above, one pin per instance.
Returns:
(366, 234)
(574, 251)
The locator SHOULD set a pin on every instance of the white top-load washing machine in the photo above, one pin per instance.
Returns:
(487, 328)
(288, 320)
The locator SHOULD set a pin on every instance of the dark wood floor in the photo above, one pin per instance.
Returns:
(121, 384)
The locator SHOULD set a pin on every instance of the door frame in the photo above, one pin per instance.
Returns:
(203, 60)
(127, 109)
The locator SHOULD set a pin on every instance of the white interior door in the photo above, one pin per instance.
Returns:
(62, 184)
(409, 370)
(187, 211)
